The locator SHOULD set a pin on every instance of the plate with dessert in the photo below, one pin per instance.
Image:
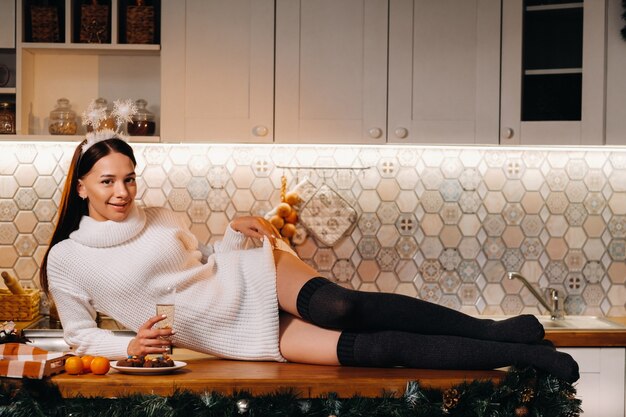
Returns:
(147, 365)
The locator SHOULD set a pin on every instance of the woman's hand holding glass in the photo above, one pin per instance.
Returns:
(150, 339)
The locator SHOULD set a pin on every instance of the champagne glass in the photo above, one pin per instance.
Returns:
(165, 306)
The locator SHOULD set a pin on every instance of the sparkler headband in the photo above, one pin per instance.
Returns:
(123, 110)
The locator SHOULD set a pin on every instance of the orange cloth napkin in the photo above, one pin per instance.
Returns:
(18, 360)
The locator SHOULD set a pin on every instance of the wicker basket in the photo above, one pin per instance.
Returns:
(22, 307)
(140, 24)
(94, 23)
(44, 23)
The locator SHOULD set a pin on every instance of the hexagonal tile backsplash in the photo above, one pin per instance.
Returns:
(442, 224)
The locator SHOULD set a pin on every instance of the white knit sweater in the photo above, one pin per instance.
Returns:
(226, 307)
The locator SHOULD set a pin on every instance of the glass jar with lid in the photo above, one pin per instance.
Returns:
(109, 121)
(142, 123)
(7, 118)
(62, 119)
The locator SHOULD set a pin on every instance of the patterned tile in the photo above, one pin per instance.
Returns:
(387, 258)
(407, 224)
(8, 233)
(494, 225)
(575, 283)
(388, 212)
(512, 259)
(617, 249)
(557, 203)
(451, 190)
(432, 178)
(557, 179)
(469, 248)
(369, 224)
(512, 304)
(494, 248)
(470, 202)
(617, 226)
(450, 259)
(593, 271)
(470, 179)
(574, 305)
(430, 292)
(368, 247)
(325, 259)
(8, 210)
(431, 270)
(556, 272)
(406, 247)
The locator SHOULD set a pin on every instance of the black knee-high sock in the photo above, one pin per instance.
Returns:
(394, 348)
(327, 304)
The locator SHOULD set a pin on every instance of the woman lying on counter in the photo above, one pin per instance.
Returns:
(109, 255)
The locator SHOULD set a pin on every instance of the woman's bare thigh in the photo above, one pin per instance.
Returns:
(291, 274)
(303, 342)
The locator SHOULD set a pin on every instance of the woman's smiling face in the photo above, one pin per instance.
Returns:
(109, 188)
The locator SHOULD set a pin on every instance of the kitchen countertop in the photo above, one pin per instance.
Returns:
(203, 372)
(590, 338)
(207, 373)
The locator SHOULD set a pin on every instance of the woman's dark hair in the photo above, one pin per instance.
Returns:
(72, 208)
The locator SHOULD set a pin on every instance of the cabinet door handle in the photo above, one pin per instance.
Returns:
(401, 132)
(509, 132)
(375, 132)
(260, 130)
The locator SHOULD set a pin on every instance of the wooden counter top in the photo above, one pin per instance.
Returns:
(224, 376)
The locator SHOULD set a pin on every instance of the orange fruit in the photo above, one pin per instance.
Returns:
(74, 365)
(292, 198)
(87, 363)
(292, 217)
(100, 365)
(277, 221)
(288, 230)
(283, 209)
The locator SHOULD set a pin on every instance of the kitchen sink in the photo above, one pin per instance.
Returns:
(572, 323)
(48, 334)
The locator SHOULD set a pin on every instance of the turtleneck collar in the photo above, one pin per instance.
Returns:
(109, 233)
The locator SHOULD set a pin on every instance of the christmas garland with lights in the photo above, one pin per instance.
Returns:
(523, 392)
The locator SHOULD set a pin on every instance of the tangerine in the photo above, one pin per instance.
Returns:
(74, 365)
(87, 363)
(277, 221)
(283, 209)
(288, 230)
(100, 365)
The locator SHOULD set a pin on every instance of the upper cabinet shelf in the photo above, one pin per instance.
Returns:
(94, 22)
(82, 50)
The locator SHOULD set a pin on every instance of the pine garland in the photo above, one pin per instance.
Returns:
(523, 392)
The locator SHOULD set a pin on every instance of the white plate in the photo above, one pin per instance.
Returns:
(148, 371)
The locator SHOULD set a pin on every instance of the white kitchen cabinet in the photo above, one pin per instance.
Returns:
(7, 24)
(80, 72)
(331, 71)
(601, 385)
(444, 71)
(534, 95)
(217, 72)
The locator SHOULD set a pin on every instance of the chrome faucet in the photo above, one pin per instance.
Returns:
(556, 313)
